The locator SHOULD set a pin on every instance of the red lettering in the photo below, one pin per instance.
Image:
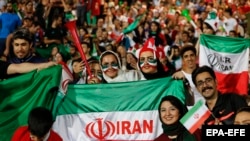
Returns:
(136, 128)
(147, 127)
(118, 127)
(125, 127)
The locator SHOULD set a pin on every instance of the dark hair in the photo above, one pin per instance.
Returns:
(229, 10)
(187, 48)
(187, 33)
(175, 102)
(201, 70)
(244, 109)
(23, 33)
(108, 53)
(89, 45)
(40, 121)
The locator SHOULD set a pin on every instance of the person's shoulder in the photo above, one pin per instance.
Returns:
(54, 136)
(22, 128)
(21, 133)
(232, 96)
(162, 137)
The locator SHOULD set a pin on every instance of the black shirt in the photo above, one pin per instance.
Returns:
(226, 107)
(3, 69)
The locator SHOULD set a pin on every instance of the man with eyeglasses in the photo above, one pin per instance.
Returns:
(223, 106)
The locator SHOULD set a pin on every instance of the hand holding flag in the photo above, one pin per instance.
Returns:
(195, 117)
(185, 13)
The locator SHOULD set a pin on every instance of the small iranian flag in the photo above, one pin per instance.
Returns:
(195, 117)
(229, 59)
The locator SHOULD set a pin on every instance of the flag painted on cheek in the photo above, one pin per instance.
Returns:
(152, 63)
(106, 67)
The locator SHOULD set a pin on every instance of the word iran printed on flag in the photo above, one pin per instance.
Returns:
(119, 111)
(195, 117)
(229, 59)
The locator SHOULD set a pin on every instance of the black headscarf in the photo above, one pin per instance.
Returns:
(176, 128)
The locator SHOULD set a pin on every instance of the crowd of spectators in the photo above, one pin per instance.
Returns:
(122, 40)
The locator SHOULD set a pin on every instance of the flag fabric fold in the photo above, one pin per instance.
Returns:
(195, 117)
(21, 94)
(229, 59)
(121, 111)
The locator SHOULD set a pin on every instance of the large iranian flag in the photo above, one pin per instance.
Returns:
(229, 59)
(120, 111)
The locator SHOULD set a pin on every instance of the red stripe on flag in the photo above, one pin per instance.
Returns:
(200, 122)
(233, 83)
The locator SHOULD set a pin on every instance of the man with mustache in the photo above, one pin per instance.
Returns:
(223, 106)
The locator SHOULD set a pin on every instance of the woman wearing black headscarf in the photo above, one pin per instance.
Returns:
(171, 110)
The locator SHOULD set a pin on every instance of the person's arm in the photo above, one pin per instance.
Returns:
(8, 44)
(27, 67)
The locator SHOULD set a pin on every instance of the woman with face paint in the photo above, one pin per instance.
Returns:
(96, 72)
(149, 62)
(111, 69)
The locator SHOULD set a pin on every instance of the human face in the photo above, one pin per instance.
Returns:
(85, 48)
(21, 48)
(184, 37)
(169, 113)
(72, 51)
(96, 72)
(242, 118)
(35, 138)
(189, 59)
(54, 51)
(131, 59)
(110, 65)
(148, 63)
(58, 58)
(9, 7)
(206, 85)
(154, 27)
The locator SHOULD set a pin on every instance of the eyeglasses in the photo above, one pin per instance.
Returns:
(207, 81)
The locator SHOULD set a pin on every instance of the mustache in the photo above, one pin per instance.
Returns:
(206, 88)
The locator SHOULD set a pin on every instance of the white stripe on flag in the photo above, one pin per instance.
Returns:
(196, 116)
(224, 62)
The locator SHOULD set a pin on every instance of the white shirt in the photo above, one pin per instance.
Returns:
(197, 95)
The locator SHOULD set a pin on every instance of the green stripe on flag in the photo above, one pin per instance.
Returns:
(224, 44)
(128, 96)
(191, 111)
(22, 93)
(133, 25)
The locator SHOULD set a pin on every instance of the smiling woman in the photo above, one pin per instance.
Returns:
(171, 110)
(111, 69)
